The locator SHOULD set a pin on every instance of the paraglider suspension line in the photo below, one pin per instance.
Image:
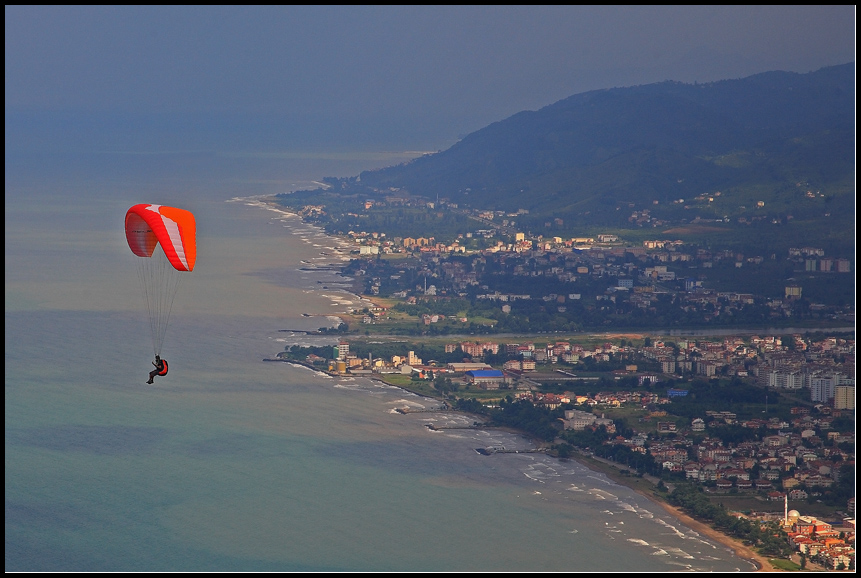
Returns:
(160, 282)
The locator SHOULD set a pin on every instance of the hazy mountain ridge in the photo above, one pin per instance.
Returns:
(584, 156)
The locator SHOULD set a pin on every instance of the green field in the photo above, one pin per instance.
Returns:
(787, 565)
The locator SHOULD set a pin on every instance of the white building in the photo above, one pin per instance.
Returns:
(823, 387)
(343, 350)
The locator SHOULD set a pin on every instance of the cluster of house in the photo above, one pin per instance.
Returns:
(825, 366)
(784, 461)
(374, 314)
(548, 353)
(598, 248)
(815, 365)
(376, 243)
(832, 547)
(814, 259)
(794, 461)
(797, 463)
(600, 399)
(638, 275)
(478, 373)
(345, 362)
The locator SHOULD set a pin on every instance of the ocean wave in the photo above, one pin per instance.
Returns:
(603, 494)
(408, 403)
(688, 567)
(602, 479)
(262, 202)
(681, 553)
(673, 529)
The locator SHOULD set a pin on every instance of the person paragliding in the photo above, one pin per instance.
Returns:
(160, 368)
(160, 272)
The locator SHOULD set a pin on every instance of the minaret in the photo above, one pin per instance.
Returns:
(786, 510)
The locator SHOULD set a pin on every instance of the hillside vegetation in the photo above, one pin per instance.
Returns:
(773, 148)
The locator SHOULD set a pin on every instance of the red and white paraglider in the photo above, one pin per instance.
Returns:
(148, 228)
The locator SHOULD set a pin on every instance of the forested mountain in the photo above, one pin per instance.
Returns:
(776, 144)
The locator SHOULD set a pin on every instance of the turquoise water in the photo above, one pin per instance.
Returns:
(233, 463)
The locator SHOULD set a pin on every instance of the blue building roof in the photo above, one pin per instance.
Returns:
(485, 373)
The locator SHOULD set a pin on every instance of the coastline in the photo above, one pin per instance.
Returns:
(744, 552)
(333, 261)
(759, 562)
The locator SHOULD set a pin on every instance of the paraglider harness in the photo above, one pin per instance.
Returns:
(160, 368)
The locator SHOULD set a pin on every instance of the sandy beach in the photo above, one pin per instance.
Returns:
(741, 550)
(762, 564)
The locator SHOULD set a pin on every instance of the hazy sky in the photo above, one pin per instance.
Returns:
(433, 72)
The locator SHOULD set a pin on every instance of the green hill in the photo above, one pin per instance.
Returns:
(775, 146)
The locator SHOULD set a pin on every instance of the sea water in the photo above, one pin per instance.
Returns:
(234, 463)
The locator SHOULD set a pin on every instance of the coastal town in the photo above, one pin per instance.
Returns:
(760, 424)
(492, 277)
(786, 448)
(430, 288)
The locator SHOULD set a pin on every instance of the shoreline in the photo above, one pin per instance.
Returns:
(333, 262)
(759, 562)
(746, 553)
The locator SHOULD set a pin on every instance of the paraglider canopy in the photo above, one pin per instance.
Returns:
(174, 229)
(150, 226)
